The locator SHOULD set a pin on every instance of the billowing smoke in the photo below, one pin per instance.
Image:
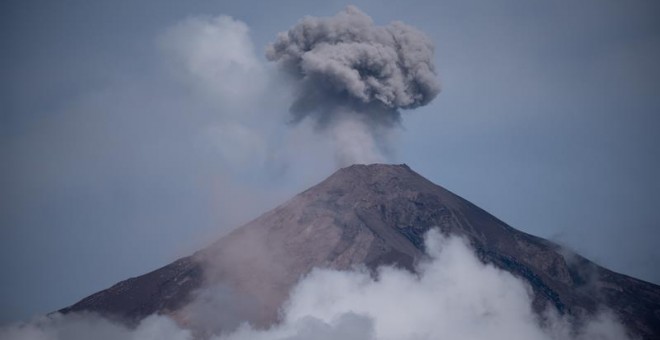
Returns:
(347, 68)
(452, 296)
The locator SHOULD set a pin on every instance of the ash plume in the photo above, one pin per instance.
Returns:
(347, 67)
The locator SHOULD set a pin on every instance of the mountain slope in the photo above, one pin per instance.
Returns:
(370, 215)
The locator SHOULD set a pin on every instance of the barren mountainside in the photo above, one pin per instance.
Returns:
(371, 215)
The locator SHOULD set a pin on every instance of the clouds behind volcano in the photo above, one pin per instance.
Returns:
(346, 65)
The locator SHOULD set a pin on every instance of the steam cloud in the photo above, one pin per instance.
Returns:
(346, 67)
(453, 296)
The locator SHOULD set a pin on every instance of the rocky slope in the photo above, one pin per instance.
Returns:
(370, 215)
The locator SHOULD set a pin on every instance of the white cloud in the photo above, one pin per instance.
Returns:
(454, 296)
(216, 56)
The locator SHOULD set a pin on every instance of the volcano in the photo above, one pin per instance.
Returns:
(369, 215)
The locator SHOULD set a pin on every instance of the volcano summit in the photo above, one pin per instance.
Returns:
(366, 216)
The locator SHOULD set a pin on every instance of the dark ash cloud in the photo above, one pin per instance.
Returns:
(347, 65)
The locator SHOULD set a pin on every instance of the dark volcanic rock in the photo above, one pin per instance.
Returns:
(372, 215)
(161, 291)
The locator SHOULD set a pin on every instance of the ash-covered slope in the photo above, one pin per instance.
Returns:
(370, 215)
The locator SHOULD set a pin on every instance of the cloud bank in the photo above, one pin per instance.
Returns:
(453, 296)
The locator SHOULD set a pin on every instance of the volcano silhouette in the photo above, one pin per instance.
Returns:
(371, 215)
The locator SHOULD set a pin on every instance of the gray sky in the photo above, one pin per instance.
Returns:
(121, 151)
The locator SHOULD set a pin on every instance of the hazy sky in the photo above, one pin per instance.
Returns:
(133, 133)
